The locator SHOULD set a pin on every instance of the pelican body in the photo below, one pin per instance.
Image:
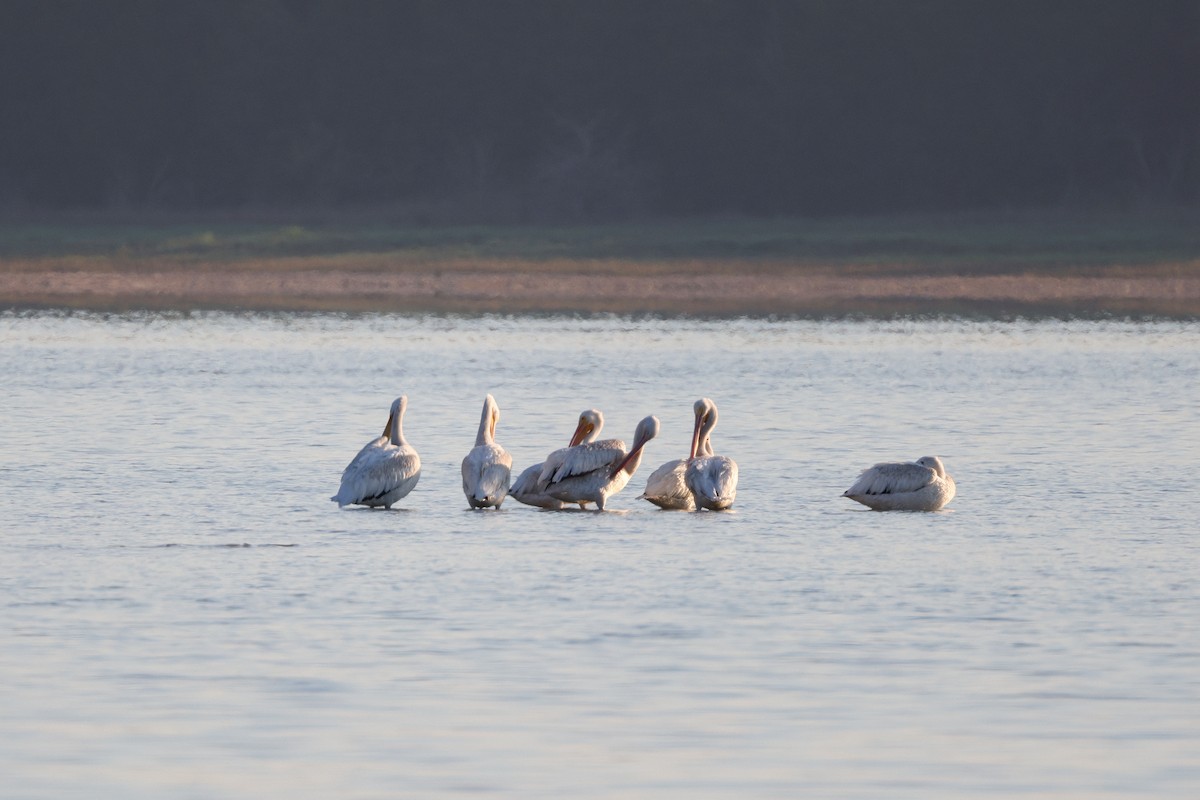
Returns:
(666, 487)
(596, 471)
(385, 470)
(922, 485)
(525, 488)
(712, 479)
(487, 469)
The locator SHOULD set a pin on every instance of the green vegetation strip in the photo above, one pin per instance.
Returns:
(1028, 240)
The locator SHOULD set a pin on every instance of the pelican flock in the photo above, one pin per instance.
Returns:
(385, 470)
(487, 469)
(922, 485)
(590, 471)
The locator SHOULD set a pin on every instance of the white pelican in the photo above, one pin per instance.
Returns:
(711, 479)
(666, 488)
(487, 469)
(596, 471)
(920, 486)
(525, 488)
(385, 470)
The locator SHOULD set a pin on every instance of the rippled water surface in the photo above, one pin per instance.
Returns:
(186, 615)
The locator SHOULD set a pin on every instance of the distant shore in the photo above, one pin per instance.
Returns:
(612, 288)
(787, 269)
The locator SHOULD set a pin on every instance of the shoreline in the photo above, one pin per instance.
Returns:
(629, 288)
(1000, 265)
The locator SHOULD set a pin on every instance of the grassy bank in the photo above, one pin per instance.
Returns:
(1006, 242)
(994, 265)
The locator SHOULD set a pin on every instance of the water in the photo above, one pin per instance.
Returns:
(186, 615)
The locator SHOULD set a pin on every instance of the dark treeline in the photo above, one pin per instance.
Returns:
(562, 110)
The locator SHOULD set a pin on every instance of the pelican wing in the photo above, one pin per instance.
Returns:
(892, 478)
(581, 459)
(666, 488)
(370, 450)
(722, 475)
(525, 490)
(377, 470)
(713, 478)
(486, 471)
(494, 481)
(348, 488)
(526, 482)
(482, 460)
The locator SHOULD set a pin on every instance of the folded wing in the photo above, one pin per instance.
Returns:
(892, 478)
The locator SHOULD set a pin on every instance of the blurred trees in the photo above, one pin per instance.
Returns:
(563, 110)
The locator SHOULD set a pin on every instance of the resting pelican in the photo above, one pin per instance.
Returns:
(895, 486)
(596, 471)
(666, 488)
(487, 469)
(525, 488)
(385, 470)
(711, 479)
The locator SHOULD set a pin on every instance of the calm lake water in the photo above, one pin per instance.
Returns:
(186, 615)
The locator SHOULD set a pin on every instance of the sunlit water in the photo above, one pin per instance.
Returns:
(186, 615)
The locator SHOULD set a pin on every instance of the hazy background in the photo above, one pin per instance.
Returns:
(459, 110)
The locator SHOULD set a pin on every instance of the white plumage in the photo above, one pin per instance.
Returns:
(712, 479)
(581, 459)
(904, 486)
(666, 487)
(487, 468)
(385, 470)
(594, 472)
(526, 489)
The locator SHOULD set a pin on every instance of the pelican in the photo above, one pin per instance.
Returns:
(487, 469)
(711, 479)
(666, 488)
(525, 488)
(920, 486)
(385, 470)
(596, 471)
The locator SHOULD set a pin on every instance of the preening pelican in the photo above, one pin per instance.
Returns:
(385, 470)
(711, 479)
(525, 488)
(487, 469)
(596, 471)
(666, 488)
(920, 486)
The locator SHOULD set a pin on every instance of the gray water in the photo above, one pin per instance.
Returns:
(186, 615)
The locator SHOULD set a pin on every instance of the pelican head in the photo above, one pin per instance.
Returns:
(646, 430)
(590, 423)
(934, 463)
(706, 419)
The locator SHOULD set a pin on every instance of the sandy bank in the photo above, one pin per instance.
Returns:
(608, 287)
